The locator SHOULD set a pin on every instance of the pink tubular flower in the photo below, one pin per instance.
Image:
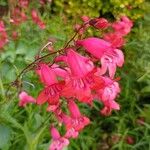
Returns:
(51, 92)
(110, 57)
(79, 83)
(25, 99)
(78, 122)
(36, 19)
(123, 27)
(75, 122)
(95, 46)
(58, 142)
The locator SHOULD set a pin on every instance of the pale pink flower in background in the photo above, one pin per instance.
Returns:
(3, 35)
(25, 99)
(18, 16)
(58, 142)
(2, 26)
(15, 35)
(123, 26)
(85, 18)
(24, 3)
(37, 20)
(43, 2)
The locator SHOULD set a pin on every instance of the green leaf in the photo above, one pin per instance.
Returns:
(5, 133)
(146, 89)
(22, 48)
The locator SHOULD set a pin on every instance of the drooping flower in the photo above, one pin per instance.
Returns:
(109, 56)
(75, 122)
(58, 142)
(108, 94)
(51, 92)
(78, 121)
(25, 99)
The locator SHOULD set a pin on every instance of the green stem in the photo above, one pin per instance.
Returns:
(2, 89)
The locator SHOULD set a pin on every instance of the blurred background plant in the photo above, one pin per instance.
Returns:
(28, 129)
(110, 8)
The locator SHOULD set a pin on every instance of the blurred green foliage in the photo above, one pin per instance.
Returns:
(95, 8)
(28, 128)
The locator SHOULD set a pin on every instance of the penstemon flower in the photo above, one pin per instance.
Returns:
(25, 99)
(58, 142)
(81, 72)
(109, 56)
(52, 90)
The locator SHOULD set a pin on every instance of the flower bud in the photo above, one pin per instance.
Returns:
(99, 23)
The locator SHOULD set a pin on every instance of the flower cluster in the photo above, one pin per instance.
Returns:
(83, 72)
(19, 14)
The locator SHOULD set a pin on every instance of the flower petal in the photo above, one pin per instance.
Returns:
(42, 98)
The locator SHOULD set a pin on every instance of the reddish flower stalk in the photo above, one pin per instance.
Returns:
(3, 35)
